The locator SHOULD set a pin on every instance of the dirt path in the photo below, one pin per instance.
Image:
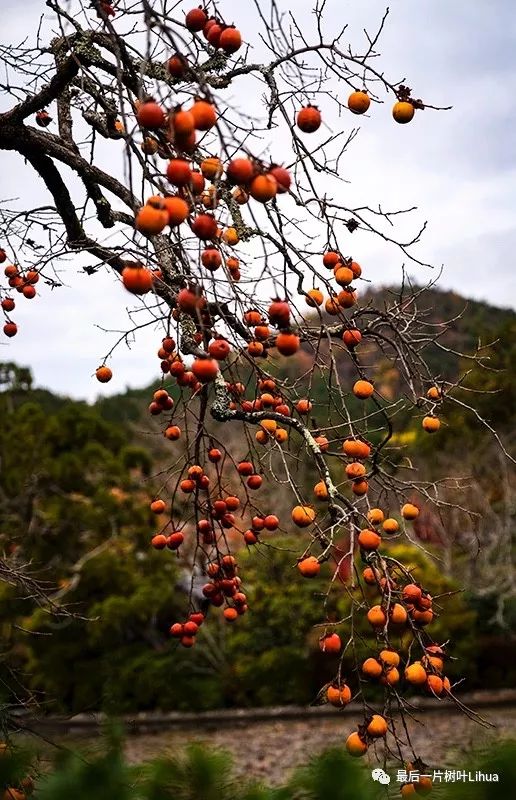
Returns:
(270, 750)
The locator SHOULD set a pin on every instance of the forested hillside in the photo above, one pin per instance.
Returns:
(76, 482)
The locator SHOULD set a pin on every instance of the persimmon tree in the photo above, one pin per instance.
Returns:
(224, 217)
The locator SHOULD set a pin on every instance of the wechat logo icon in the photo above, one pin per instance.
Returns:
(380, 776)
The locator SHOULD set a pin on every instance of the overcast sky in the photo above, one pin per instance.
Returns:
(458, 167)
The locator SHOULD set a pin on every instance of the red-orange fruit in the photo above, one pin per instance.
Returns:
(356, 448)
(338, 696)
(230, 40)
(137, 279)
(359, 102)
(205, 369)
(309, 119)
(103, 374)
(355, 745)
(177, 210)
(176, 66)
(204, 115)
(211, 259)
(369, 540)
(150, 115)
(196, 19)
(205, 226)
(283, 178)
(352, 338)
(240, 171)
(331, 643)
(263, 188)
(331, 259)
(287, 343)
(309, 567)
(363, 389)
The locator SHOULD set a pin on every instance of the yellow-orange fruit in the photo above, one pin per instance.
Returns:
(338, 696)
(416, 674)
(390, 525)
(431, 424)
(375, 516)
(377, 726)
(303, 516)
(409, 511)
(372, 668)
(363, 389)
(355, 745)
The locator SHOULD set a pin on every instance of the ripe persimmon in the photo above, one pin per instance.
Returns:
(435, 685)
(103, 374)
(360, 487)
(137, 279)
(309, 567)
(411, 593)
(158, 506)
(356, 448)
(338, 696)
(211, 259)
(359, 102)
(369, 576)
(309, 119)
(352, 338)
(375, 516)
(343, 275)
(355, 470)
(205, 369)
(177, 209)
(314, 297)
(303, 406)
(263, 188)
(282, 177)
(372, 668)
(205, 116)
(212, 168)
(391, 677)
(416, 674)
(409, 511)
(151, 219)
(431, 424)
(369, 540)
(389, 657)
(390, 525)
(331, 259)
(196, 19)
(403, 111)
(363, 389)
(355, 745)
(397, 614)
(287, 343)
(321, 490)
(376, 616)
(205, 226)
(230, 40)
(240, 171)
(150, 115)
(303, 516)
(330, 643)
(377, 726)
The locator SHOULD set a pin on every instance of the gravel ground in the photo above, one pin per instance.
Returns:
(270, 750)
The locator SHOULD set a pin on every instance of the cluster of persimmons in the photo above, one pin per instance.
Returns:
(205, 191)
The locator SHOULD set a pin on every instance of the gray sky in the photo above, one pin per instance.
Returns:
(458, 167)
